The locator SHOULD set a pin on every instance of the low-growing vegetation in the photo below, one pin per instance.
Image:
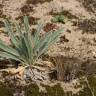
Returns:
(47, 48)
(27, 48)
(60, 19)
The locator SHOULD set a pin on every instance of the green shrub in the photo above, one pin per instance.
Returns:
(59, 18)
(27, 48)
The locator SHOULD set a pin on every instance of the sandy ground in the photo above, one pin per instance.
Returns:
(78, 45)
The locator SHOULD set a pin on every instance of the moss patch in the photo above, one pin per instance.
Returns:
(33, 90)
(56, 90)
(86, 90)
(92, 83)
(5, 90)
(37, 1)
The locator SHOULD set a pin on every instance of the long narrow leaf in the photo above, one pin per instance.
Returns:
(13, 38)
(48, 41)
(37, 33)
(18, 30)
(8, 49)
(8, 56)
(28, 40)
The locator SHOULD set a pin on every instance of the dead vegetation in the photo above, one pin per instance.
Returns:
(87, 25)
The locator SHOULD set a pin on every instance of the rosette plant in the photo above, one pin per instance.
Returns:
(27, 47)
